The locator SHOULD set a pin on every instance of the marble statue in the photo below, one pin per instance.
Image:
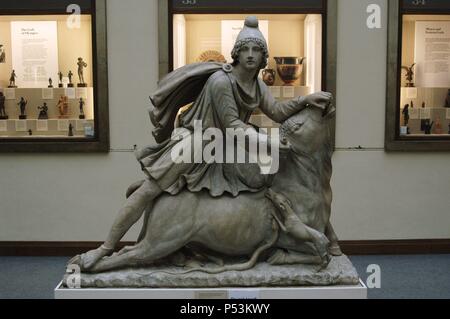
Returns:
(213, 218)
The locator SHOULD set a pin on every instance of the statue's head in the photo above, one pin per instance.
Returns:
(308, 130)
(250, 41)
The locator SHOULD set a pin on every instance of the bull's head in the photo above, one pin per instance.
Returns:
(308, 131)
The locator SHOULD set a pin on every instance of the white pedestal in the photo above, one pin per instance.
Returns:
(331, 292)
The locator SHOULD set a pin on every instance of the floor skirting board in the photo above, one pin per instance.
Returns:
(350, 247)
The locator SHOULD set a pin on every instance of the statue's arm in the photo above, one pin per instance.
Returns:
(279, 111)
(228, 113)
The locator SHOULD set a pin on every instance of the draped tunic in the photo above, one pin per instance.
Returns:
(222, 103)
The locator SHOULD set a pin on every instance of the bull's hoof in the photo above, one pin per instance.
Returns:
(335, 250)
(325, 262)
(88, 260)
(278, 258)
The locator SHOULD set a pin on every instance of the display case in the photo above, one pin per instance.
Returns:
(53, 76)
(418, 92)
(301, 38)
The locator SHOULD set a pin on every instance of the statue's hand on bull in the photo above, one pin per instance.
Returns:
(321, 100)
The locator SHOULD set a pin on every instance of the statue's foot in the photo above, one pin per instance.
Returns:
(321, 244)
(193, 264)
(335, 249)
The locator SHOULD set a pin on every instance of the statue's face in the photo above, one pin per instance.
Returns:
(251, 56)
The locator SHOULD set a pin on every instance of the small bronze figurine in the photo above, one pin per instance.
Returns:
(50, 83)
(447, 100)
(43, 114)
(3, 115)
(82, 116)
(2, 54)
(269, 76)
(409, 75)
(438, 126)
(449, 129)
(30, 132)
(81, 65)
(70, 85)
(63, 106)
(60, 76)
(423, 105)
(412, 104)
(70, 129)
(428, 126)
(22, 104)
(12, 80)
(405, 113)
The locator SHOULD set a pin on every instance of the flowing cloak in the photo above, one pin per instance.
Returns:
(221, 103)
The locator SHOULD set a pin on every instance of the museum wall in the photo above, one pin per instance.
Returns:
(73, 43)
(377, 195)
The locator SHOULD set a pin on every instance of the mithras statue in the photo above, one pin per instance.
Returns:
(234, 215)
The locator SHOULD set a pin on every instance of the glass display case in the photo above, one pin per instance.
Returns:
(53, 79)
(418, 113)
(300, 36)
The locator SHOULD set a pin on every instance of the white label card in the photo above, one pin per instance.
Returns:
(81, 93)
(80, 125)
(414, 114)
(21, 125)
(63, 125)
(425, 114)
(10, 94)
(411, 93)
(244, 294)
(47, 94)
(288, 91)
(276, 91)
(42, 125)
(3, 126)
(70, 93)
